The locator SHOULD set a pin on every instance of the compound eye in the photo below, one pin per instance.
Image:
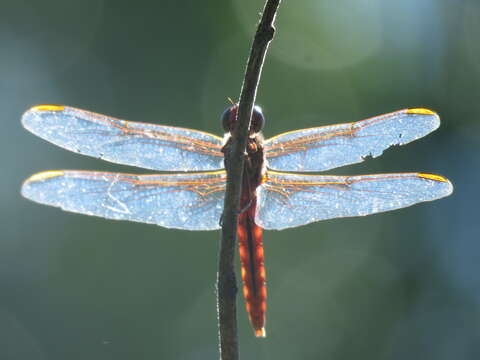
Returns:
(227, 122)
(258, 120)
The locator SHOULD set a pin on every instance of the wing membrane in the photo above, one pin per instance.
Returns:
(289, 200)
(191, 201)
(328, 147)
(150, 146)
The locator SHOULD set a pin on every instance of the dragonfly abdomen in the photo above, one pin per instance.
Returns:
(253, 268)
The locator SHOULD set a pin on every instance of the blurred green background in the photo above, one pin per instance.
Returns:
(398, 285)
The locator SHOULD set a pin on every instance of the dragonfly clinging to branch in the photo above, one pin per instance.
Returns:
(193, 199)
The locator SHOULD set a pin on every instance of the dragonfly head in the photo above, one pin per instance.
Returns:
(229, 117)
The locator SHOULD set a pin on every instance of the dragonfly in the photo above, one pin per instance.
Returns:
(277, 191)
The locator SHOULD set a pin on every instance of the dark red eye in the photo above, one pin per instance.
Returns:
(228, 118)
(258, 120)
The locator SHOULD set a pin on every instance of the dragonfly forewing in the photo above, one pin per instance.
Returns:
(150, 146)
(328, 147)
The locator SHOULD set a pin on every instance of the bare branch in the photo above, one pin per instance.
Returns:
(226, 282)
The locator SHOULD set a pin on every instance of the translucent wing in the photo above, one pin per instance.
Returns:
(191, 201)
(289, 200)
(328, 147)
(150, 146)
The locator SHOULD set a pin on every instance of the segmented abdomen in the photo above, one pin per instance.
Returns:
(253, 269)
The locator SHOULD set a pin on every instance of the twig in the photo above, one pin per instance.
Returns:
(226, 281)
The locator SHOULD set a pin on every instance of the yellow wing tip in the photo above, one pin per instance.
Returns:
(421, 111)
(261, 333)
(433, 177)
(47, 108)
(44, 175)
